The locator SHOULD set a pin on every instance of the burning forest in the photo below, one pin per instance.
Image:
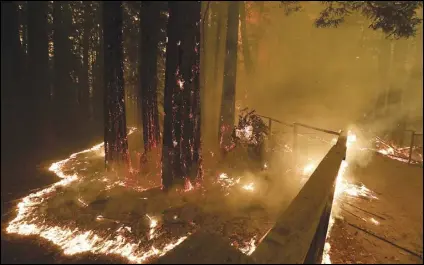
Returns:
(232, 128)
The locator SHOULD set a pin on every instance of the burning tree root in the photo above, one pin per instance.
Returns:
(386, 240)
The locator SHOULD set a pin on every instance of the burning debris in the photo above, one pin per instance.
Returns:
(251, 129)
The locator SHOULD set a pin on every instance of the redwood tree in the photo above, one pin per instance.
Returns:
(245, 41)
(150, 30)
(38, 66)
(84, 91)
(226, 122)
(181, 158)
(115, 131)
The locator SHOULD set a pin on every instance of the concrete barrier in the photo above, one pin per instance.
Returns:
(299, 233)
(297, 237)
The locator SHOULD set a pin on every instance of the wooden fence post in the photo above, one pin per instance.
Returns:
(411, 147)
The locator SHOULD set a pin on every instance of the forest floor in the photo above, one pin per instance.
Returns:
(396, 216)
(232, 203)
(107, 214)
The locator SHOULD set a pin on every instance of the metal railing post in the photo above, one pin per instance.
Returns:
(270, 127)
(411, 147)
(295, 147)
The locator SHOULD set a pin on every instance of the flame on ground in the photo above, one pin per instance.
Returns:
(250, 247)
(75, 241)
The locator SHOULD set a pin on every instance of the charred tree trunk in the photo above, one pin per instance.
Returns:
(181, 139)
(216, 65)
(115, 131)
(12, 65)
(85, 85)
(11, 52)
(150, 30)
(245, 41)
(258, 32)
(38, 67)
(98, 86)
(64, 96)
(219, 26)
(227, 112)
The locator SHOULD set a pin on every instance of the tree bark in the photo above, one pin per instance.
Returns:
(64, 91)
(38, 68)
(85, 85)
(227, 113)
(245, 41)
(11, 53)
(150, 30)
(115, 131)
(98, 69)
(181, 160)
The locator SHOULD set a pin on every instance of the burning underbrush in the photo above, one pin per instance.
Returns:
(104, 213)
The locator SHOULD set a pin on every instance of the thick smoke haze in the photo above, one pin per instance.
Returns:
(331, 77)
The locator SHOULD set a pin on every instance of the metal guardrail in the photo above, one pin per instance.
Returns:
(298, 235)
(411, 146)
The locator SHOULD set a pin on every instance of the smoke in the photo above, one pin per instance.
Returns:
(330, 78)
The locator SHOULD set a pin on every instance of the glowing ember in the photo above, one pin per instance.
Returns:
(227, 182)
(82, 202)
(250, 247)
(153, 225)
(100, 218)
(387, 151)
(245, 133)
(374, 221)
(188, 186)
(249, 187)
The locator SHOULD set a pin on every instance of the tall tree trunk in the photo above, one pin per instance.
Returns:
(245, 41)
(11, 74)
(38, 67)
(11, 52)
(258, 32)
(85, 85)
(219, 26)
(227, 114)
(384, 62)
(181, 138)
(150, 30)
(115, 131)
(64, 96)
(216, 65)
(98, 69)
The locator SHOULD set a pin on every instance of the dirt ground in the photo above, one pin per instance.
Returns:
(398, 210)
